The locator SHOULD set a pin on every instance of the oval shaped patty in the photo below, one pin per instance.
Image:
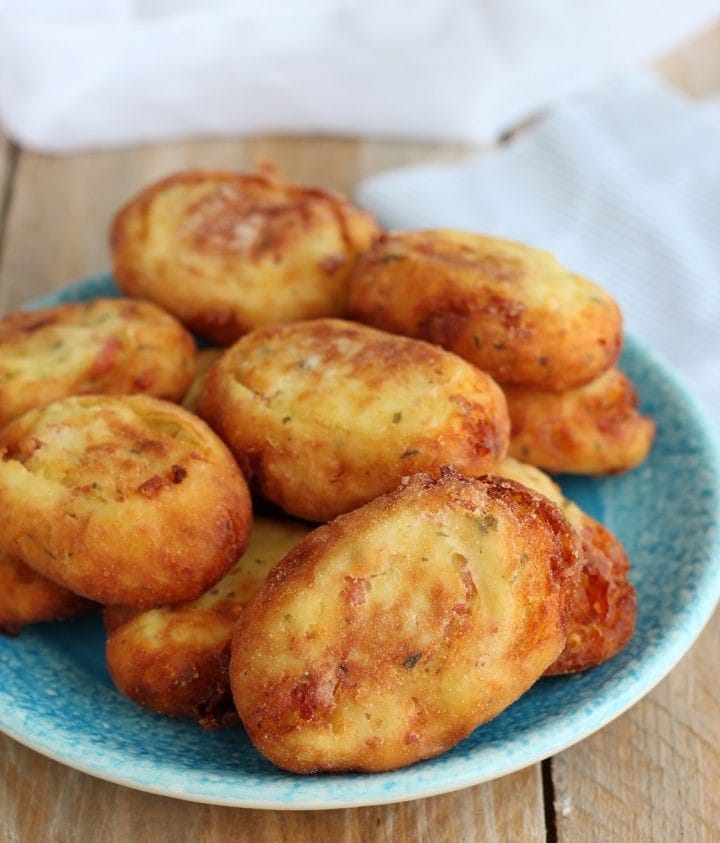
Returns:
(122, 499)
(28, 597)
(101, 346)
(226, 252)
(389, 634)
(512, 310)
(603, 607)
(593, 429)
(174, 659)
(323, 416)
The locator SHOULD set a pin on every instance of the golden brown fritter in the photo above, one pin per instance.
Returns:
(226, 252)
(323, 416)
(389, 634)
(174, 659)
(205, 359)
(116, 346)
(603, 609)
(122, 499)
(602, 613)
(594, 429)
(28, 597)
(512, 310)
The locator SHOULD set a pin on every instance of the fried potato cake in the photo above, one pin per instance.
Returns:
(227, 252)
(174, 659)
(121, 499)
(326, 415)
(205, 359)
(99, 346)
(28, 597)
(603, 608)
(389, 634)
(512, 310)
(593, 429)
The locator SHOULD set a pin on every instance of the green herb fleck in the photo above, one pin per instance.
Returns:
(286, 419)
(411, 452)
(412, 660)
(392, 257)
(397, 417)
(444, 535)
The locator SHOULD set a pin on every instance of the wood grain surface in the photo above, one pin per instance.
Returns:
(652, 775)
(7, 159)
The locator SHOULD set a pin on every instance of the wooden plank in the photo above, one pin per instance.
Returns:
(44, 801)
(57, 232)
(654, 773)
(6, 172)
(4, 154)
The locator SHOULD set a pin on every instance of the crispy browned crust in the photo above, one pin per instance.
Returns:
(101, 346)
(594, 429)
(174, 659)
(122, 499)
(389, 634)
(226, 251)
(28, 597)
(603, 607)
(325, 415)
(508, 308)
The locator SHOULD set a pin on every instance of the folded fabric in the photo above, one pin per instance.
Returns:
(623, 187)
(106, 72)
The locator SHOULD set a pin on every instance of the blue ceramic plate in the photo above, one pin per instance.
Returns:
(56, 695)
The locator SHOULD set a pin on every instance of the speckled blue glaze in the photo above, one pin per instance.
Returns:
(56, 695)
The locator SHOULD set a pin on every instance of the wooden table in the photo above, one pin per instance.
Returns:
(651, 775)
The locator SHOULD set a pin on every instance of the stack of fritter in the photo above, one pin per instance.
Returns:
(447, 577)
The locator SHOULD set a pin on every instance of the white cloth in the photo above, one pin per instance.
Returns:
(623, 187)
(85, 73)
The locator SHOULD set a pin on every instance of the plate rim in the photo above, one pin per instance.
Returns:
(673, 648)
